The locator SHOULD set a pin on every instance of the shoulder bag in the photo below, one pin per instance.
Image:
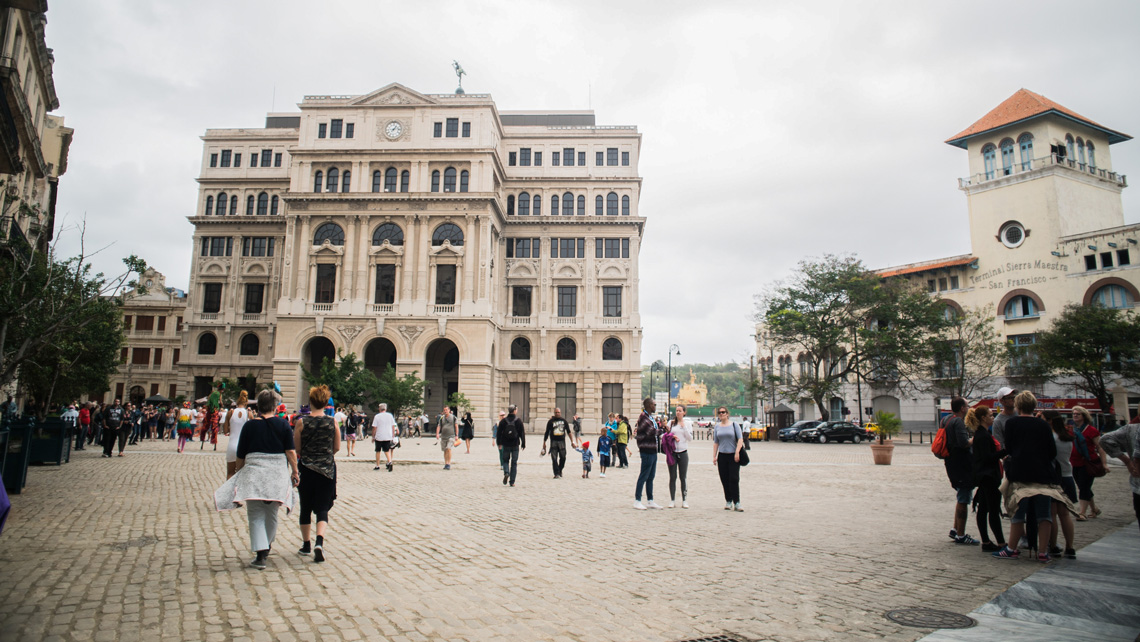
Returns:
(744, 461)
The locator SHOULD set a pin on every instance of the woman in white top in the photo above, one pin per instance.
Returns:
(678, 460)
(234, 421)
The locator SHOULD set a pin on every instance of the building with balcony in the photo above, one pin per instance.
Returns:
(149, 363)
(1047, 229)
(492, 253)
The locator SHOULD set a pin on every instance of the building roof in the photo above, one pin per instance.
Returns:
(1021, 106)
(927, 266)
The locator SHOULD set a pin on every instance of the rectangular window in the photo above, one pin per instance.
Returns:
(453, 128)
(600, 159)
(348, 129)
(213, 160)
(335, 127)
(538, 159)
(437, 130)
(467, 130)
(385, 284)
(568, 155)
(226, 157)
(212, 298)
(144, 323)
(612, 394)
(613, 248)
(566, 399)
(265, 156)
(1122, 257)
(930, 286)
(218, 246)
(178, 323)
(122, 359)
(254, 298)
(511, 159)
(1106, 259)
(205, 246)
(173, 391)
(253, 159)
(612, 156)
(1021, 356)
(625, 248)
(522, 248)
(942, 284)
(174, 360)
(1090, 261)
(445, 285)
(520, 300)
(524, 157)
(555, 158)
(154, 388)
(567, 301)
(229, 246)
(140, 356)
(326, 283)
(582, 159)
(566, 248)
(237, 160)
(598, 248)
(611, 301)
(269, 248)
(953, 283)
(162, 324)
(157, 356)
(322, 129)
(625, 159)
(277, 160)
(119, 386)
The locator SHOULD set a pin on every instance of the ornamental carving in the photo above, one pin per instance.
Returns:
(349, 332)
(410, 333)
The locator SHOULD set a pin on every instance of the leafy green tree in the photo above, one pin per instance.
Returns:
(348, 379)
(968, 354)
(1093, 345)
(460, 401)
(404, 395)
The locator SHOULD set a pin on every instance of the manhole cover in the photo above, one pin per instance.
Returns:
(136, 543)
(930, 619)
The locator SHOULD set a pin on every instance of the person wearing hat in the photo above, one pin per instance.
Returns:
(1005, 396)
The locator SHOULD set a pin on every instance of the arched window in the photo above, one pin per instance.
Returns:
(273, 205)
(1092, 155)
(447, 232)
(510, 204)
(233, 205)
(1007, 157)
(1081, 152)
(554, 205)
(581, 205)
(449, 179)
(435, 180)
(611, 350)
(567, 204)
(345, 181)
(520, 349)
(262, 204)
(376, 178)
(989, 154)
(524, 204)
(249, 205)
(1113, 296)
(1021, 307)
(222, 202)
(599, 205)
(405, 180)
(625, 205)
(209, 205)
(1025, 142)
(1070, 147)
(250, 345)
(330, 232)
(567, 350)
(537, 201)
(464, 178)
(390, 180)
(388, 232)
(318, 181)
(207, 344)
(611, 204)
(334, 176)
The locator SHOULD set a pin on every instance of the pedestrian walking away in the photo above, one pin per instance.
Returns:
(510, 438)
(265, 478)
(383, 425)
(675, 443)
(235, 421)
(728, 441)
(556, 432)
(647, 444)
(316, 439)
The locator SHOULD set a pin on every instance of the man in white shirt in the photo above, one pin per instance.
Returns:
(382, 426)
(340, 418)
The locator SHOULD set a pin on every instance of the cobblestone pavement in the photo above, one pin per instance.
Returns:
(132, 549)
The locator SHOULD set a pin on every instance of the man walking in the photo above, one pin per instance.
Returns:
(112, 421)
(959, 468)
(556, 430)
(382, 425)
(510, 437)
(445, 431)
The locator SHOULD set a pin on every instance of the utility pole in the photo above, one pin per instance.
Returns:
(858, 380)
(752, 384)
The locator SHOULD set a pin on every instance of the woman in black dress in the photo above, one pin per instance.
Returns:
(317, 439)
(467, 430)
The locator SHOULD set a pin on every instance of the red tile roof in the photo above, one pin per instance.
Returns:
(927, 266)
(1022, 105)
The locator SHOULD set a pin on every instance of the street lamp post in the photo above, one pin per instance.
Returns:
(673, 349)
(652, 368)
(767, 338)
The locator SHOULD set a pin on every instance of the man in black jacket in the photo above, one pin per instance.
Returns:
(556, 430)
(510, 437)
(959, 468)
(113, 417)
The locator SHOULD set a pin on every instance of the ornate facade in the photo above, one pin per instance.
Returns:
(493, 253)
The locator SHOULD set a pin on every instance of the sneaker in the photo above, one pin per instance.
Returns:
(603, 474)
(737, 508)
(505, 479)
(306, 549)
(653, 504)
(1055, 551)
(259, 562)
(953, 533)
(672, 504)
(447, 466)
(1044, 558)
(389, 465)
(728, 506)
(1070, 554)
(990, 547)
(966, 539)
(638, 506)
(376, 468)
(318, 553)
(685, 504)
(1023, 543)
(1006, 553)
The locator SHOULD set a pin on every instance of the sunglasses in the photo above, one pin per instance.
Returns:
(722, 412)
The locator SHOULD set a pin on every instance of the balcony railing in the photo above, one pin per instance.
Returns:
(209, 316)
(1038, 163)
(519, 320)
(613, 320)
(380, 308)
(322, 307)
(565, 320)
(252, 318)
(443, 309)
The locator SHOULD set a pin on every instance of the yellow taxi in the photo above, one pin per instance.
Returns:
(757, 433)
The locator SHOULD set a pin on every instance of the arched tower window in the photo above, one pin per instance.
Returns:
(318, 181)
(1007, 157)
(388, 232)
(390, 180)
(989, 155)
(1025, 142)
(447, 232)
(334, 176)
(262, 204)
(520, 349)
(331, 232)
(524, 204)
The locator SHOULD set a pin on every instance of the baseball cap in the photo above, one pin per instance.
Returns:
(1005, 391)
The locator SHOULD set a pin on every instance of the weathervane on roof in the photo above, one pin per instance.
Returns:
(459, 73)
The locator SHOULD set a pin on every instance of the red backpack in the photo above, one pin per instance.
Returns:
(938, 446)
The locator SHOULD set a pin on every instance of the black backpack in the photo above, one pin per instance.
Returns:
(510, 430)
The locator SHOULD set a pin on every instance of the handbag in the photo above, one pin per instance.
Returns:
(743, 461)
(1096, 467)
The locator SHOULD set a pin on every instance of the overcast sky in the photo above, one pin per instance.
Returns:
(772, 131)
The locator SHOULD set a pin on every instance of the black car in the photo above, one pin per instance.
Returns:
(792, 432)
(836, 431)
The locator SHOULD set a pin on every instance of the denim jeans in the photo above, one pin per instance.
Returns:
(557, 456)
(648, 472)
(509, 461)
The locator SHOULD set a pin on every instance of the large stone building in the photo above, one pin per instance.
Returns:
(493, 253)
(1046, 229)
(149, 363)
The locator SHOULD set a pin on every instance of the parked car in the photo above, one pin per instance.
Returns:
(836, 431)
(792, 432)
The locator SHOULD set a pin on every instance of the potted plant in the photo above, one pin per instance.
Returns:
(889, 426)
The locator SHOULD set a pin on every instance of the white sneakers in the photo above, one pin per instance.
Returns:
(603, 474)
(653, 504)
(638, 506)
(685, 504)
(672, 504)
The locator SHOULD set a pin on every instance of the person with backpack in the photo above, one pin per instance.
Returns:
(959, 467)
(510, 437)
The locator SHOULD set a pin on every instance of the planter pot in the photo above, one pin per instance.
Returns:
(883, 453)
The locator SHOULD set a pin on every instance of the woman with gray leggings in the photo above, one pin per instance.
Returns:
(678, 459)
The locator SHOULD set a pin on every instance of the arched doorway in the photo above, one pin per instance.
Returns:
(441, 374)
(886, 403)
(379, 354)
(316, 351)
(137, 395)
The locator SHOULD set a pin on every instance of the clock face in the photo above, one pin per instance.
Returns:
(393, 130)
